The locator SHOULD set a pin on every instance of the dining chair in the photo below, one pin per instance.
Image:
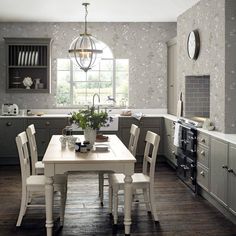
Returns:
(36, 165)
(133, 140)
(34, 183)
(143, 181)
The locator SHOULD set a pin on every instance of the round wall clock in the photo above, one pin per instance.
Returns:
(193, 44)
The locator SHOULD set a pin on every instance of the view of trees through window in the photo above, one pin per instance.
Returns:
(110, 77)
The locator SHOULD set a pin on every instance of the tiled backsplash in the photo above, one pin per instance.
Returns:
(197, 96)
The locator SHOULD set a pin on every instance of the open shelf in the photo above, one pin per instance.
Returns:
(28, 57)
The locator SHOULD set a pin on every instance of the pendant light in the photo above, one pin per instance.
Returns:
(85, 50)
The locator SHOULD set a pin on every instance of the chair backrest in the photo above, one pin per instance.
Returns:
(133, 141)
(22, 142)
(149, 162)
(33, 146)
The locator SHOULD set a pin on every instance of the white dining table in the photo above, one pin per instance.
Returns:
(58, 160)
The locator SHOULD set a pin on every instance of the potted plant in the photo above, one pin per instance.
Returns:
(90, 121)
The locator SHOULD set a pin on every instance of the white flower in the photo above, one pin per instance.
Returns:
(27, 82)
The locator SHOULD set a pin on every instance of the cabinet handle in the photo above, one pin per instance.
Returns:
(47, 123)
(168, 135)
(202, 153)
(171, 85)
(202, 173)
(230, 170)
(8, 124)
(225, 167)
(202, 140)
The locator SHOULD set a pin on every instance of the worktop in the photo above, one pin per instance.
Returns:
(231, 138)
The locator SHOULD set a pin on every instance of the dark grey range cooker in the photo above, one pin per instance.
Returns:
(186, 154)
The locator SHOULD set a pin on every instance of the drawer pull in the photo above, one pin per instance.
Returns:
(47, 123)
(225, 167)
(202, 153)
(8, 124)
(203, 140)
(202, 173)
(230, 170)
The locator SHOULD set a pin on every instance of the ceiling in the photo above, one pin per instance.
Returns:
(98, 11)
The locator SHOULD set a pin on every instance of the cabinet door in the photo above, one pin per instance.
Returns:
(218, 181)
(42, 140)
(10, 128)
(232, 179)
(171, 76)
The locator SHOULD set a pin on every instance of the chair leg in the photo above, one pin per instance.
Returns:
(153, 205)
(110, 194)
(63, 204)
(23, 207)
(146, 199)
(115, 209)
(101, 183)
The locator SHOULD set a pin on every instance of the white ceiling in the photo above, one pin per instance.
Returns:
(98, 11)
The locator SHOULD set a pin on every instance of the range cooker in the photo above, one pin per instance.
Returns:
(186, 154)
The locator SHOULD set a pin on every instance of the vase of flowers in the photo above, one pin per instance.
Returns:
(90, 121)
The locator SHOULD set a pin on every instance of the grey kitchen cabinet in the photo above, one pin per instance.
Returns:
(219, 167)
(10, 128)
(232, 178)
(168, 138)
(153, 124)
(203, 142)
(45, 128)
(28, 57)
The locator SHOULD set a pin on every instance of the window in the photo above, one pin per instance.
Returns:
(110, 77)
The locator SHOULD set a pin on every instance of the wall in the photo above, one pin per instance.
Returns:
(208, 16)
(144, 44)
(230, 66)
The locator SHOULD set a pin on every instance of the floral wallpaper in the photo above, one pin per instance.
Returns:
(208, 17)
(144, 44)
(230, 66)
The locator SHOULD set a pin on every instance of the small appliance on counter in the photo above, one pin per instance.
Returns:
(10, 109)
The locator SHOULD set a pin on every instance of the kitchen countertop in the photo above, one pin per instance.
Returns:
(231, 138)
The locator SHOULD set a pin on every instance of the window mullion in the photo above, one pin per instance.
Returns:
(71, 83)
(114, 79)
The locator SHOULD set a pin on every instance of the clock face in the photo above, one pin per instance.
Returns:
(193, 45)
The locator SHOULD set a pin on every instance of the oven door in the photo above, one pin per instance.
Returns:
(186, 170)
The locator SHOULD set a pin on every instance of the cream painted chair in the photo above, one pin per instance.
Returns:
(36, 165)
(34, 183)
(134, 135)
(144, 180)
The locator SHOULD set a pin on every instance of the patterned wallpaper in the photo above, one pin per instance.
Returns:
(230, 66)
(144, 44)
(208, 16)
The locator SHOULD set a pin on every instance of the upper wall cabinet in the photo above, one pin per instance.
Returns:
(28, 65)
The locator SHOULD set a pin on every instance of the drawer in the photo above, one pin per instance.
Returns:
(203, 139)
(203, 155)
(203, 177)
(48, 122)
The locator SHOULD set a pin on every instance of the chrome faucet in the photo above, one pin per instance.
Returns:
(96, 94)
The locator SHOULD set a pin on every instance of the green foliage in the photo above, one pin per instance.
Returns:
(90, 118)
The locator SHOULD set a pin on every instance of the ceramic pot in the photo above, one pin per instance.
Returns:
(90, 135)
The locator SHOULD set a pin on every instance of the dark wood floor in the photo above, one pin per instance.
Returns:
(181, 213)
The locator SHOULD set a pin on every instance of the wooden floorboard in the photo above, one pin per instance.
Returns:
(181, 213)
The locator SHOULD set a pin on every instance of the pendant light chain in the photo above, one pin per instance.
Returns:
(85, 17)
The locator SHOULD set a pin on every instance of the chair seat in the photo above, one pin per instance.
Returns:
(36, 180)
(138, 179)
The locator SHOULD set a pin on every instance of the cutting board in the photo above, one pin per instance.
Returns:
(180, 106)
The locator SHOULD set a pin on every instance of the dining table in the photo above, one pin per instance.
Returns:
(60, 159)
